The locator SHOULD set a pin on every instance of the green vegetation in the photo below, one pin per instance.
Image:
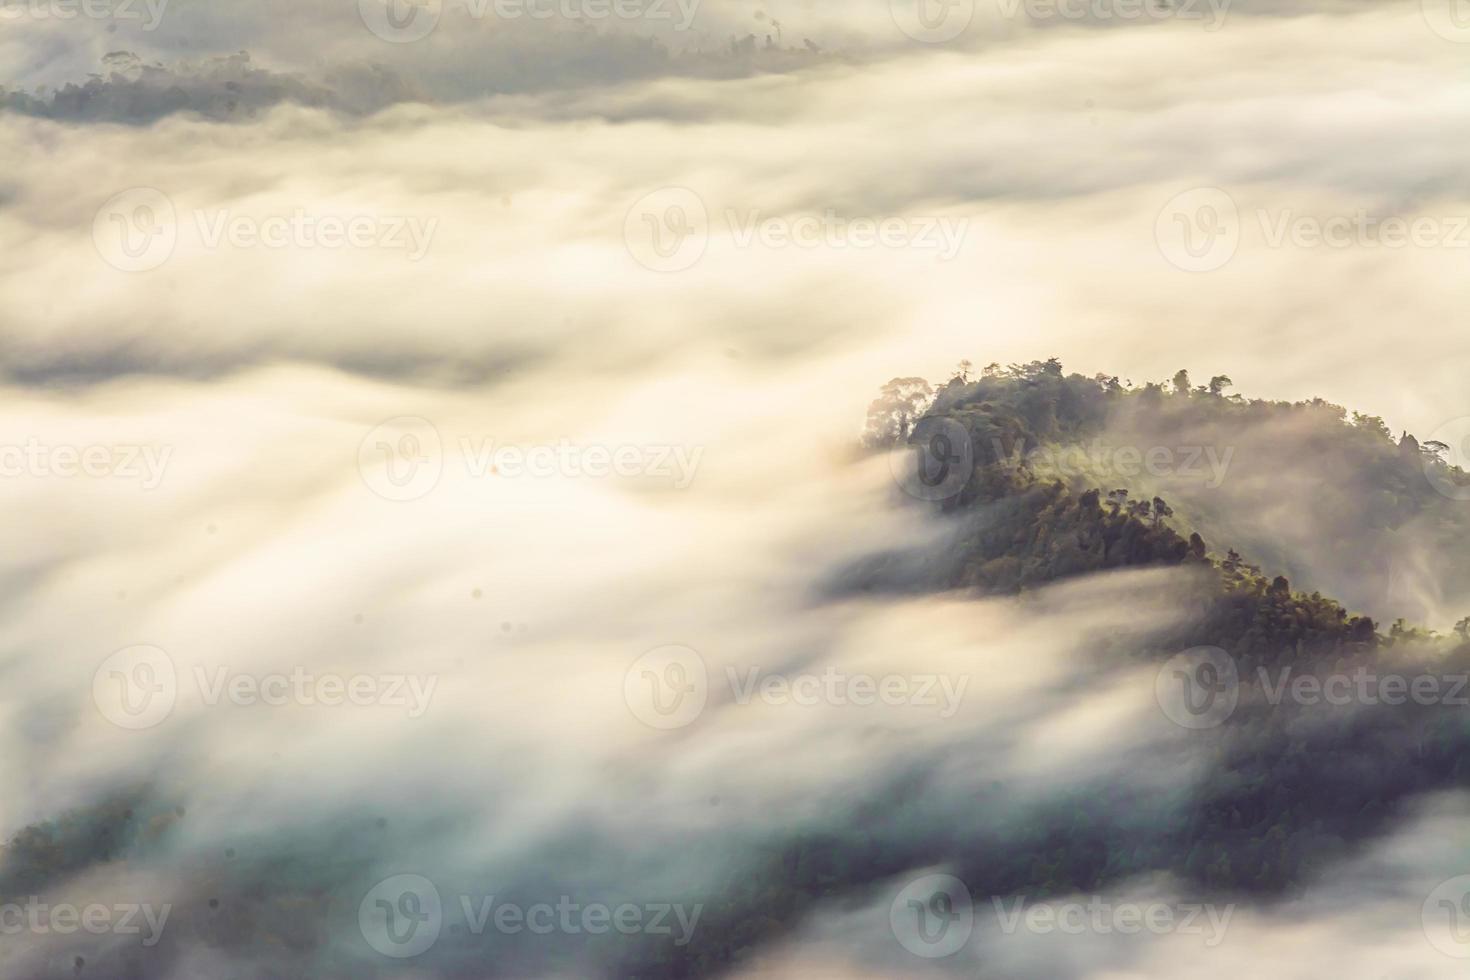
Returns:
(1075, 475)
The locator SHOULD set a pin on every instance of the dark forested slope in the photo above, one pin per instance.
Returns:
(1066, 475)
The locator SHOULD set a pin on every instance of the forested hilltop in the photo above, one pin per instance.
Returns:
(1068, 474)
(1042, 476)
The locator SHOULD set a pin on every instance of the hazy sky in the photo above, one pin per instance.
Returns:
(1027, 171)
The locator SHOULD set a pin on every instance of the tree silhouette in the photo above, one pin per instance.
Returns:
(891, 416)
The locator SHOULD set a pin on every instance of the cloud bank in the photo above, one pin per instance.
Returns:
(291, 307)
